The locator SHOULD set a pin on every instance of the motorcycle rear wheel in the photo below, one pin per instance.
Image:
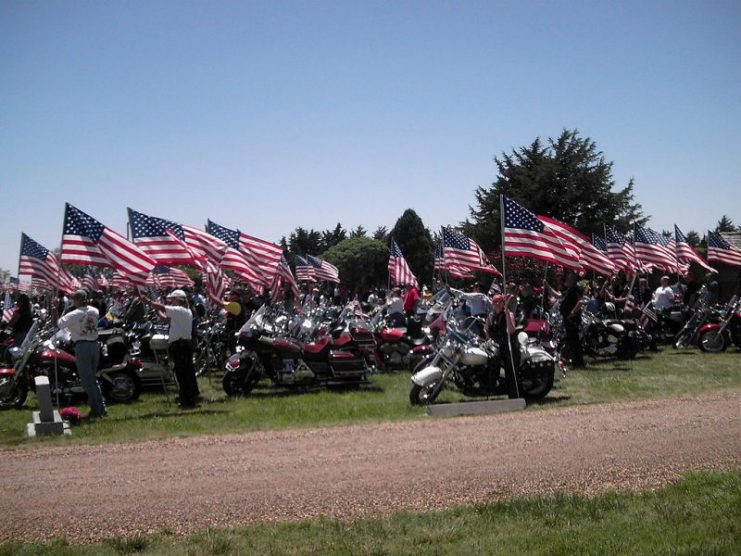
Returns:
(123, 387)
(536, 388)
(712, 342)
(12, 394)
(424, 395)
(242, 381)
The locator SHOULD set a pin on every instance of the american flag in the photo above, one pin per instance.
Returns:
(119, 281)
(526, 236)
(216, 281)
(454, 270)
(620, 250)
(590, 256)
(304, 270)
(8, 307)
(43, 267)
(719, 250)
(235, 259)
(90, 280)
(652, 249)
(88, 242)
(263, 256)
(37, 262)
(150, 234)
(685, 252)
(399, 271)
(166, 277)
(324, 270)
(283, 276)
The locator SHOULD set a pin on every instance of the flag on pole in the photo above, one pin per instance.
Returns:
(399, 271)
(166, 277)
(150, 234)
(719, 250)
(263, 256)
(652, 249)
(304, 270)
(685, 252)
(524, 235)
(589, 255)
(234, 257)
(455, 271)
(283, 276)
(620, 250)
(43, 267)
(324, 270)
(90, 280)
(8, 307)
(88, 242)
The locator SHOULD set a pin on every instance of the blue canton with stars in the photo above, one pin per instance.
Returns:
(230, 237)
(455, 240)
(516, 216)
(78, 223)
(143, 226)
(29, 248)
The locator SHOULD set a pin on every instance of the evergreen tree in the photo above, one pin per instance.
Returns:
(415, 242)
(725, 225)
(567, 179)
(304, 242)
(381, 234)
(330, 238)
(693, 238)
(358, 232)
(361, 261)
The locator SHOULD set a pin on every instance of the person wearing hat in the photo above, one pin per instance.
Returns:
(181, 348)
(82, 323)
(501, 327)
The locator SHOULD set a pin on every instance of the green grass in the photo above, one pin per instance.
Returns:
(667, 374)
(699, 515)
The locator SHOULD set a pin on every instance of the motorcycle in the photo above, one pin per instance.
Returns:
(475, 368)
(610, 337)
(47, 353)
(395, 345)
(715, 337)
(329, 359)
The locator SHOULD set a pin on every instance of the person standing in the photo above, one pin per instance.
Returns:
(181, 347)
(501, 327)
(571, 307)
(663, 297)
(82, 323)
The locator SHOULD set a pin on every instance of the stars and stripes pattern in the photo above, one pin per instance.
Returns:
(652, 250)
(167, 277)
(265, 255)
(590, 257)
(324, 270)
(90, 280)
(283, 275)
(686, 253)
(719, 250)
(399, 271)
(526, 236)
(455, 271)
(234, 258)
(150, 234)
(8, 307)
(211, 273)
(43, 267)
(88, 242)
(619, 249)
(304, 270)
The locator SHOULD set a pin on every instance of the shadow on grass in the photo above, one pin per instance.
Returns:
(549, 400)
(164, 415)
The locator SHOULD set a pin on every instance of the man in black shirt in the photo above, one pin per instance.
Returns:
(571, 305)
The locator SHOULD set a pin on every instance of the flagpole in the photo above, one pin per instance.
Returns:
(504, 293)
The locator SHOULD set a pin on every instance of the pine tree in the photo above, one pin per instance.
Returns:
(415, 243)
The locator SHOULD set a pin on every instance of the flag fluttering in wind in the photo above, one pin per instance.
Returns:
(150, 234)
(652, 250)
(236, 259)
(524, 235)
(167, 277)
(589, 255)
(620, 250)
(399, 271)
(304, 270)
(262, 256)
(281, 277)
(8, 307)
(88, 242)
(43, 267)
(719, 250)
(685, 252)
(324, 270)
(461, 254)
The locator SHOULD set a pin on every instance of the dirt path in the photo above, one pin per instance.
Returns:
(92, 492)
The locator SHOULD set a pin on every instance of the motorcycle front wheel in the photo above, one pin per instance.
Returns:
(241, 381)
(12, 393)
(424, 395)
(712, 342)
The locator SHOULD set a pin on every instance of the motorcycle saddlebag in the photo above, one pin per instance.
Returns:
(344, 363)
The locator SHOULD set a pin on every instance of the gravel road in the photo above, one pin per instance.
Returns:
(92, 492)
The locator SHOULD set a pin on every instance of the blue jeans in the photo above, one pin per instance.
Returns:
(87, 357)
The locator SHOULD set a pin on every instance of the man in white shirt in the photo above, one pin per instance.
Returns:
(664, 295)
(181, 346)
(82, 322)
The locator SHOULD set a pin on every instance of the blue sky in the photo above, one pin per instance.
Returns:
(266, 116)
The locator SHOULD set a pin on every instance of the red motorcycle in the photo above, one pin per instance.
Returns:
(331, 359)
(716, 336)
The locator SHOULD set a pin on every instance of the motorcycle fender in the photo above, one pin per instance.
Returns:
(709, 326)
(427, 376)
(7, 371)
